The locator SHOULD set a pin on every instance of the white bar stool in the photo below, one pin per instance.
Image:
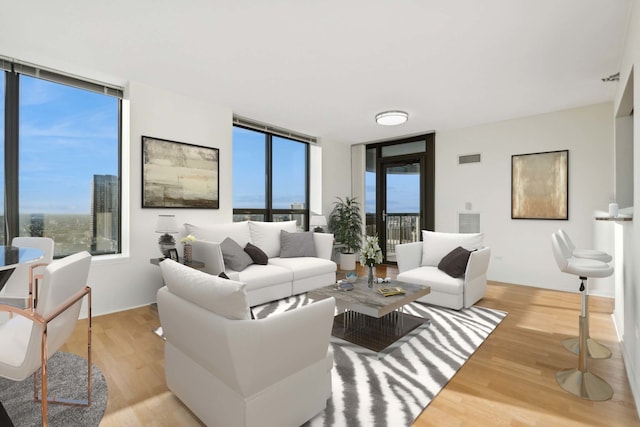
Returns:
(595, 350)
(580, 381)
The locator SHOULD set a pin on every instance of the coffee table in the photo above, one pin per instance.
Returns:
(371, 320)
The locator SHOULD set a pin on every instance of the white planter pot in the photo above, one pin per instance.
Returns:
(347, 262)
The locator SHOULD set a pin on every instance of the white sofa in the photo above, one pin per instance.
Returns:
(281, 277)
(232, 371)
(418, 263)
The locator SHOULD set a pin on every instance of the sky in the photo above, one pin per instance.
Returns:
(67, 135)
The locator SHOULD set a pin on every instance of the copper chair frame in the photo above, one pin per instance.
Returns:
(43, 323)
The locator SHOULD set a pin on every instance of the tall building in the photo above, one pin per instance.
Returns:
(105, 206)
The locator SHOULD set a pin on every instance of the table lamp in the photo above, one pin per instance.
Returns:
(318, 221)
(167, 225)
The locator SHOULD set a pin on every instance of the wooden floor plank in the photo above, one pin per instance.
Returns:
(509, 381)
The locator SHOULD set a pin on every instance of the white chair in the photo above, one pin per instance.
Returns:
(23, 282)
(418, 262)
(581, 382)
(583, 253)
(232, 371)
(29, 338)
(595, 350)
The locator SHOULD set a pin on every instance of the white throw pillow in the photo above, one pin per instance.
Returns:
(436, 245)
(266, 235)
(224, 297)
(238, 231)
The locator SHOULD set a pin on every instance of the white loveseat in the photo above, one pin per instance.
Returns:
(235, 372)
(418, 263)
(281, 276)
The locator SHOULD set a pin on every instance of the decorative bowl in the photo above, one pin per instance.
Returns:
(352, 276)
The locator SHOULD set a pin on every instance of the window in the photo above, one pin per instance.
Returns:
(63, 179)
(270, 177)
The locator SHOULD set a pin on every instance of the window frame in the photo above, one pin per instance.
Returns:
(269, 212)
(12, 73)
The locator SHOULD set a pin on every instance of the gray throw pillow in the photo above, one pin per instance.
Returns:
(455, 262)
(296, 244)
(234, 256)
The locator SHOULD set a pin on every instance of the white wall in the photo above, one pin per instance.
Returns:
(630, 232)
(130, 280)
(336, 173)
(521, 249)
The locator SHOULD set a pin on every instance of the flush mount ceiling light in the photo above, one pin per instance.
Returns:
(391, 118)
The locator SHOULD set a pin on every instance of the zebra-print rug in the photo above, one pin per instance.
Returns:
(394, 390)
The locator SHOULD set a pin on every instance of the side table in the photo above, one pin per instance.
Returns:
(198, 265)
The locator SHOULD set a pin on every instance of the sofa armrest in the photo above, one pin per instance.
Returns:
(475, 278)
(323, 243)
(209, 253)
(409, 256)
(282, 345)
(478, 264)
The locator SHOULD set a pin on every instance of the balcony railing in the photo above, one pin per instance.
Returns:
(401, 228)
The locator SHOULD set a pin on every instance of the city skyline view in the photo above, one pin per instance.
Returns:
(67, 135)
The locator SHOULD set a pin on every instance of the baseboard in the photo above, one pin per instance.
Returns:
(632, 376)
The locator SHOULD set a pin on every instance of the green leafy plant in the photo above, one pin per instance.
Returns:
(346, 224)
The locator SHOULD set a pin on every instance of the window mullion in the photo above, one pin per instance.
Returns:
(11, 156)
(269, 173)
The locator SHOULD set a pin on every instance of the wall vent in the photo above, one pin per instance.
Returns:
(469, 158)
(469, 223)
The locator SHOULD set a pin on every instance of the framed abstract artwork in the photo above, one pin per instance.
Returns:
(540, 185)
(179, 175)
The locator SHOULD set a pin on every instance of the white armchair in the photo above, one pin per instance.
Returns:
(233, 371)
(418, 263)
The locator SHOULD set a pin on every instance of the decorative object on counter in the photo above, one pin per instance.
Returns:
(317, 222)
(167, 225)
(188, 250)
(613, 210)
(370, 255)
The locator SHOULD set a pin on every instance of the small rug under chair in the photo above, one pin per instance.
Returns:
(68, 380)
(394, 390)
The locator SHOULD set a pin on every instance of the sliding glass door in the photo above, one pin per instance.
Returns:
(399, 198)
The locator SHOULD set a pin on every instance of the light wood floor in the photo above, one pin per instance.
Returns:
(509, 381)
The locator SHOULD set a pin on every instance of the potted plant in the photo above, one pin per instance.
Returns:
(345, 223)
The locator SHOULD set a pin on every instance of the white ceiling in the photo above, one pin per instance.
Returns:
(325, 68)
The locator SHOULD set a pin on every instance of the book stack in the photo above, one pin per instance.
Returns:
(387, 292)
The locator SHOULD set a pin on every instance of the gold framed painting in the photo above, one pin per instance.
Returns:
(540, 185)
(179, 175)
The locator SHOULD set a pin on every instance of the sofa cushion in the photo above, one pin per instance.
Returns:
(455, 262)
(438, 280)
(224, 297)
(296, 244)
(303, 267)
(261, 276)
(436, 245)
(257, 255)
(238, 231)
(234, 256)
(266, 235)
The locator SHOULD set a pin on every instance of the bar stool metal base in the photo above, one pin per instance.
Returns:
(595, 350)
(584, 384)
